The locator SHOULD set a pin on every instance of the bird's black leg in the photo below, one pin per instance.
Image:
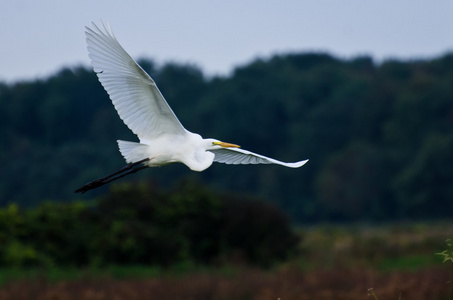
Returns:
(125, 168)
(128, 169)
(131, 171)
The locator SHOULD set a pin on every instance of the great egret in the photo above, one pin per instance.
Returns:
(139, 103)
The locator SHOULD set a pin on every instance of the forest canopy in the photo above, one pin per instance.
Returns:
(379, 136)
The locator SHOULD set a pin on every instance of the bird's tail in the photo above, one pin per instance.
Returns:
(133, 152)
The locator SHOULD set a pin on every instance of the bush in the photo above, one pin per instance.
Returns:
(139, 224)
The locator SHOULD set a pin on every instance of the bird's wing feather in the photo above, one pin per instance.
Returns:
(237, 156)
(133, 92)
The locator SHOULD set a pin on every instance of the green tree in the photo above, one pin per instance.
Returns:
(423, 187)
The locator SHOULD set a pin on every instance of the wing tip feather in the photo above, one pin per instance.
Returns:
(297, 164)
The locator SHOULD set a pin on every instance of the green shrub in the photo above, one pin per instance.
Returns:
(137, 224)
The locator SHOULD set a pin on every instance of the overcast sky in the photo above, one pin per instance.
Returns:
(40, 37)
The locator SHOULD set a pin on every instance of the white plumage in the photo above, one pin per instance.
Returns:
(143, 109)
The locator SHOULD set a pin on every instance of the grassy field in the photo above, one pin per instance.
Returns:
(397, 261)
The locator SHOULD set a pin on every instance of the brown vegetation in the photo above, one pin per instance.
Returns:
(334, 262)
(246, 284)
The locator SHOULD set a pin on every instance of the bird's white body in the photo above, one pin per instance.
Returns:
(191, 151)
(140, 104)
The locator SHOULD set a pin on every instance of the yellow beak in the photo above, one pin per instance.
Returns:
(226, 145)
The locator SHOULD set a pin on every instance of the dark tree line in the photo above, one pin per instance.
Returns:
(379, 136)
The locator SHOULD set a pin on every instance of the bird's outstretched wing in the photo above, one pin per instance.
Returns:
(133, 92)
(237, 156)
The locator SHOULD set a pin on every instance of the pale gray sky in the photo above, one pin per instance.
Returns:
(39, 37)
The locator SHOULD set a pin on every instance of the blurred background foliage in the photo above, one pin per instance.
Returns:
(378, 135)
(137, 224)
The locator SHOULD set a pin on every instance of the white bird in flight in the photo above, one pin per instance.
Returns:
(141, 106)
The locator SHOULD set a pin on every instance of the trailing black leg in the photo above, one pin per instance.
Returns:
(131, 171)
(126, 170)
